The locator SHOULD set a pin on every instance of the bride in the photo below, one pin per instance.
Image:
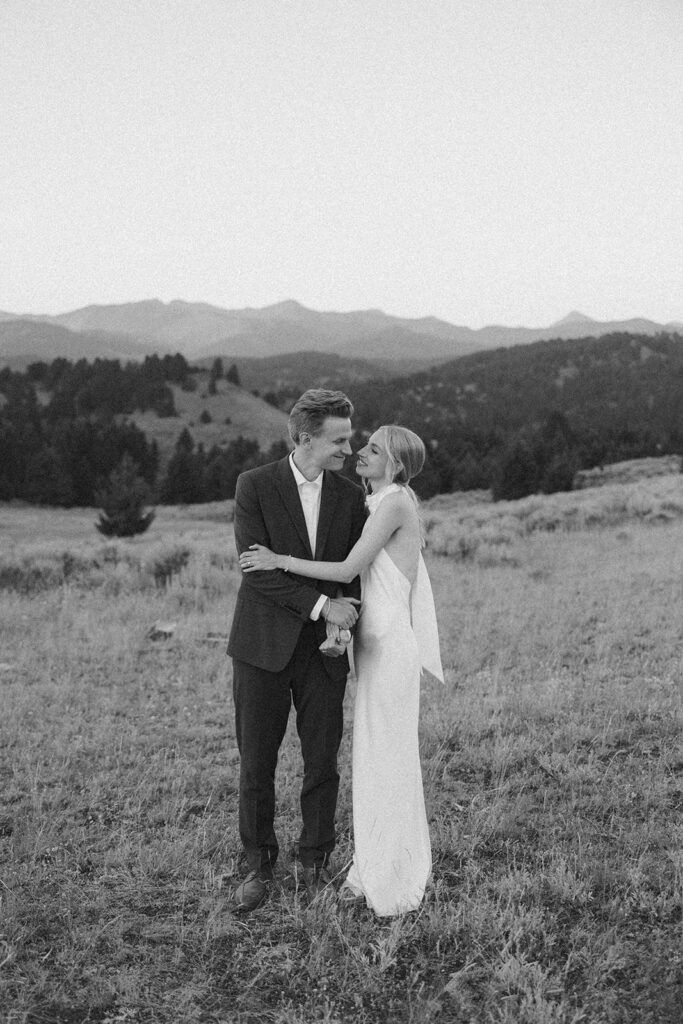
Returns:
(395, 638)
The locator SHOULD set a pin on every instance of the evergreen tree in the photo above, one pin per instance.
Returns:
(516, 474)
(123, 501)
(215, 374)
(175, 368)
(278, 450)
(469, 473)
(184, 483)
(224, 465)
(558, 474)
(46, 481)
(233, 375)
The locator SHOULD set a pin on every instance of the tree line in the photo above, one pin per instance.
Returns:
(517, 421)
(523, 420)
(64, 432)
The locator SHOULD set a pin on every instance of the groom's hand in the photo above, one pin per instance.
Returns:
(342, 612)
(336, 642)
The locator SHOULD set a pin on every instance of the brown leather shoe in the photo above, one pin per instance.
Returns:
(253, 891)
(316, 880)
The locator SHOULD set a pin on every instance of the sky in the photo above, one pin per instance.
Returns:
(482, 161)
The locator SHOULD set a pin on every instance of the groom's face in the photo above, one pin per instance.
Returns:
(329, 448)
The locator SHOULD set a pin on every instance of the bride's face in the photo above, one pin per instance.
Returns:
(373, 461)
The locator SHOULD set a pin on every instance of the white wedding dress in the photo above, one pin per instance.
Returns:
(396, 637)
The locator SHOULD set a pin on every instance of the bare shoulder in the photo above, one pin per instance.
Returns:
(398, 504)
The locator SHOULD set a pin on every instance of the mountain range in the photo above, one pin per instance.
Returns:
(201, 331)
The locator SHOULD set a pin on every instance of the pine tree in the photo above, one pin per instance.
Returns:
(215, 374)
(123, 500)
(183, 483)
(516, 474)
(233, 375)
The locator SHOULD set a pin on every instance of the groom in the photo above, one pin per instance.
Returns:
(298, 506)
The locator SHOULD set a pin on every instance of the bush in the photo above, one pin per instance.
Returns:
(169, 563)
(30, 576)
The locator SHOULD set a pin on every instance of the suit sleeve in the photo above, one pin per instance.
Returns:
(277, 586)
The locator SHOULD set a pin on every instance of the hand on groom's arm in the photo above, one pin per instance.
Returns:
(341, 611)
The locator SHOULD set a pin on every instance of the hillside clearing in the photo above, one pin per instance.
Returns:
(233, 411)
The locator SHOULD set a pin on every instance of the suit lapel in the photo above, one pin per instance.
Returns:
(289, 492)
(328, 503)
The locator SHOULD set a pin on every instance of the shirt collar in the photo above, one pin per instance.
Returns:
(301, 479)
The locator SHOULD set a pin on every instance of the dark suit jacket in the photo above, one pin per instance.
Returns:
(272, 607)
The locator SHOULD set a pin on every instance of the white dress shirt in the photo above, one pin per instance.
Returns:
(310, 492)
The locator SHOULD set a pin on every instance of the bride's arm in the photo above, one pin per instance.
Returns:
(389, 516)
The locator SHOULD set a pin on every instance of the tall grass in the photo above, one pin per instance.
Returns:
(490, 533)
(552, 765)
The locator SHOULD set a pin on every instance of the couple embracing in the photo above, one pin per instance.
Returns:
(320, 562)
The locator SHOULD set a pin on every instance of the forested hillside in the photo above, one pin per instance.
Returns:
(525, 419)
(618, 382)
(516, 420)
(65, 427)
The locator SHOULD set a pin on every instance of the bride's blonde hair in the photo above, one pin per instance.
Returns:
(406, 454)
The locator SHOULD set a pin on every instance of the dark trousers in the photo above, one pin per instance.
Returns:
(262, 704)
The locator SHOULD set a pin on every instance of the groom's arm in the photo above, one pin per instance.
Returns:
(250, 528)
(283, 588)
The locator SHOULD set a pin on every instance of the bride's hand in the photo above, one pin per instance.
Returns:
(258, 558)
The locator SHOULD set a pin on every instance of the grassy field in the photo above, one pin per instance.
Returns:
(552, 762)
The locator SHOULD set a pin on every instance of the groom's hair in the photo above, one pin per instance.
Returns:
(313, 408)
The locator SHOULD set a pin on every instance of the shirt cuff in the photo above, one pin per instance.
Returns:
(318, 607)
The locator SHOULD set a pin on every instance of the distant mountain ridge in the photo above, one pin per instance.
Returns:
(200, 331)
(27, 340)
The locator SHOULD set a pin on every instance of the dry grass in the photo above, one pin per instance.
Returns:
(496, 533)
(552, 762)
